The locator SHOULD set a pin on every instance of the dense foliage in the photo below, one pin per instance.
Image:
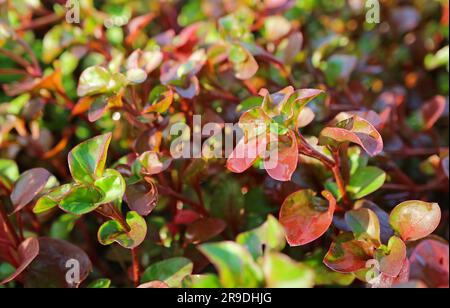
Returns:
(92, 195)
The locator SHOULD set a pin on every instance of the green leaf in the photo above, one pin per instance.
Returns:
(87, 160)
(280, 271)
(51, 199)
(414, 220)
(208, 281)
(112, 231)
(234, 263)
(93, 80)
(365, 181)
(171, 271)
(270, 235)
(9, 172)
(100, 284)
(112, 184)
(136, 76)
(81, 200)
(364, 224)
(63, 226)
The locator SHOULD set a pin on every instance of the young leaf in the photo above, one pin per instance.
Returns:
(87, 160)
(283, 159)
(234, 263)
(392, 257)
(365, 181)
(414, 220)
(112, 186)
(28, 186)
(280, 271)
(171, 271)
(81, 200)
(51, 199)
(142, 197)
(306, 217)
(112, 231)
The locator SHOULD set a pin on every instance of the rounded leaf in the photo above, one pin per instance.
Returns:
(28, 186)
(112, 186)
(87, 160)
(364, 223)
(414, 220)
(112, 231)
(306, 217)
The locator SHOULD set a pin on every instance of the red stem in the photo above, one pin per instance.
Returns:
(136, 266)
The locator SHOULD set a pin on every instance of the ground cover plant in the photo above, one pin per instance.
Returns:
(209, 144)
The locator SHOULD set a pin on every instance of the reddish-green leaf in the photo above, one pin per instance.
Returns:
(87, 160)
(112, 231)
(348, 255)
(306, 217)
(392, 257)
(414, 220)
(283, 159)
(355, 130)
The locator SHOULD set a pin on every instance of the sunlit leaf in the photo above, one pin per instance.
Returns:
(171, 271)
(112, 231)
(414, 220)
(234, 263)
(281, 271)
(87, 160)
(306, 217)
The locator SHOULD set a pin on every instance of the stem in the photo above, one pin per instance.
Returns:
(340, 179)
(334, 166)
(136, 266)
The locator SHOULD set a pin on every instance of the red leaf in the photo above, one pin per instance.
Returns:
(355, 130)
(28, 251)
(306, 217)
(142, 197)
(204, 229)
(29, 185)
(347, 255)
(432, 110)
(283, 160)
(246, 153)
(430, 263)
(391, 263)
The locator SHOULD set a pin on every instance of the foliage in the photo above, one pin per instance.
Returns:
(355, 112)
